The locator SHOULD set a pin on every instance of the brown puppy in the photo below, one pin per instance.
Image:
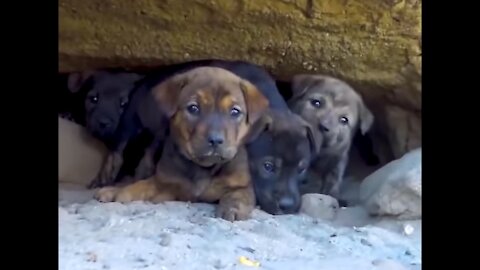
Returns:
(337, 111)
(210, 112)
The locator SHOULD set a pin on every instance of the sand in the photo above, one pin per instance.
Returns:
(176, 235)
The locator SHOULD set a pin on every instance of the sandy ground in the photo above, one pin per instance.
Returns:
(177, 235)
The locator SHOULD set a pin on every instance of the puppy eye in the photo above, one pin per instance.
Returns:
(268, 166)
(343, 120)
(94, 99)
(193, 109)
(123, 103)
(235, 113)
(317, 103)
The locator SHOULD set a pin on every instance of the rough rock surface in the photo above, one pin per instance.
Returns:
(396, 188)
(80, 156)
(375, 45)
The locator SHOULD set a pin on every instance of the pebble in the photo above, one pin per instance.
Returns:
(166, 239)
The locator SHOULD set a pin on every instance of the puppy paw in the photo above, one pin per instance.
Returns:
(106, 194)
(233, 211)
(124, 196)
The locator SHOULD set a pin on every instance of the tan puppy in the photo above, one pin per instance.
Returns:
(210, 112)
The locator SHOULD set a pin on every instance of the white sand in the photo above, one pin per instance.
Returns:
(177, 235)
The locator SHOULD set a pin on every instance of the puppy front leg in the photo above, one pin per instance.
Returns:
(334, 179)
(237, 204)
(146, 167)
(109, 171)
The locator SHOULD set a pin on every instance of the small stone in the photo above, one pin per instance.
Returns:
(365, 242)
(408, 229)
(319, 206)
(248, 249)
(219, 264)
(166, 239)
(91, 257)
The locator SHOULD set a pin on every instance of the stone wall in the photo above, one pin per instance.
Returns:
(373, 44)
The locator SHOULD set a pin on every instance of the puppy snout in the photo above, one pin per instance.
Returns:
(104, 123)
(286, 204)
(215, 139)
(325, 125)
(323, 128)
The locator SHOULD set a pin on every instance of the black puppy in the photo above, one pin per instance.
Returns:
(98, 102)
(105, 97)
(279, 159)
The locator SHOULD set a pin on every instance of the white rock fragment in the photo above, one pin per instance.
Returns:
(319, 206)
(408, 229)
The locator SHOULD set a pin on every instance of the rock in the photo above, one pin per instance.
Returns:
(97, 34)
(373, 45)
(166, 239)
(80, 156)
(319, 206)
(314, 37)
(395, 189)
(402, 128)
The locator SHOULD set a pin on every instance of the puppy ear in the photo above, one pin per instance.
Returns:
(261, 125)
(166, 94)
(366, 118)
(256, 102)
(135, 77)
(315, 138)
(78, 79)
(301, 83)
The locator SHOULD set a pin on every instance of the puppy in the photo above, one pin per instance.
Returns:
(142, 115)
(99, 102)
(105, 97)
(210, 112)
(279, 158)
(337, 112)
(279, 150)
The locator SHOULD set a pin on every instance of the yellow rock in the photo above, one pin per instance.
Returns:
(375, 45)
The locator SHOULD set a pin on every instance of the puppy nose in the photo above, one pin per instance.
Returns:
(286, 203)
(323, 128)
(326, 123)
(104, 123)
(215, 139)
